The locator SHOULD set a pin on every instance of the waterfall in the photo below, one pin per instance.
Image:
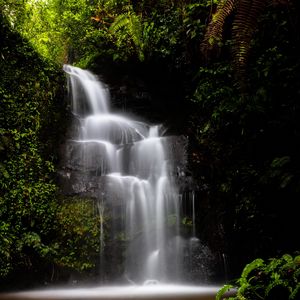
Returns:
(132, 162)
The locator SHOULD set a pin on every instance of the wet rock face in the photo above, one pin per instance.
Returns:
(89, 158)
(154, 91)
(81, 184)
(84, 167)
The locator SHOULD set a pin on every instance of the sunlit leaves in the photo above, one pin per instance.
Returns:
(77, 31)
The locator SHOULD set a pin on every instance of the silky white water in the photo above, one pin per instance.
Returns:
(133, 158)
(134, 161)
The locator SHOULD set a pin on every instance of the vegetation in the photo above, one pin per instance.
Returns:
(26, 186)
(79, 31)
(78, 228)
(274, 279)
(240, 79)
(34, 225)
(247, 154)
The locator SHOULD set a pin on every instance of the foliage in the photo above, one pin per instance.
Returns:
(27, 190)
(36, 230)
(140, 30)
(78, 226)
(244, 147)
(133, 27)
(54, 28)
(81, 31)
(246, 17)
(214, 31)
(274, 279)
(245, 153)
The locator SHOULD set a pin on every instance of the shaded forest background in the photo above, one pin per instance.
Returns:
(230, 83)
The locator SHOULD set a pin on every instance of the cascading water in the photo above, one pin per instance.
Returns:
(128, 167)
(136, 173)
(137, 170)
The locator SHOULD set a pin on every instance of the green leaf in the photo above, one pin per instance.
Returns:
(296, 292)
(223, 290)
(252, 266)
(279, 162)
(4, 171)
(288, 258)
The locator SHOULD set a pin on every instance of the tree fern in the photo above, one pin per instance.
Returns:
(246, 15)
(214, 29)
(244, 26)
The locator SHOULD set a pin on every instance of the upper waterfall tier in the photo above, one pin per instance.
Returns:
(85, 85)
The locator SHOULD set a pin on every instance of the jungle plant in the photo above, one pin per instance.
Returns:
(131, 23)
(273, 279)
(246, 15)
(77, 243)
(147, 31)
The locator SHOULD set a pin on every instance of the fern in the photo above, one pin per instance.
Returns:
(223, 290)
(214, 29)
(288, 258)
(243, 28)
(120, 22)
(273, 265)
(250, 267)
(295, 292)
(281, 273)
(247, 13)
(273, 284)
(131, 23)
(136, 31)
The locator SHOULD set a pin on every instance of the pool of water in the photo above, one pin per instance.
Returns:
(118, 292)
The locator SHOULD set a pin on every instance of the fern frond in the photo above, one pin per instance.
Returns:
(295, 292)
(274, 284)
(215, 28)
(243, 28)
(120, 21)
(136, 33)
(250, 267)
(132, 23)
(136, 30)
(223, 290)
